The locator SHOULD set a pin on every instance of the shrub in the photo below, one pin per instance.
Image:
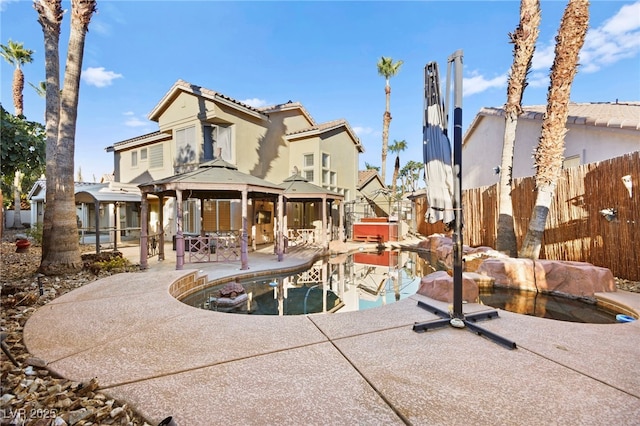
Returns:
(35, 233)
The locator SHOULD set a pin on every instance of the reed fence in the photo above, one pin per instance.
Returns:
(576, 230)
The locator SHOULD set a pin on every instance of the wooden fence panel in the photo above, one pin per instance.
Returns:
(575, 229)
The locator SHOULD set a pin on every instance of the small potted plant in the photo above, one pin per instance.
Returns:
(22, 245)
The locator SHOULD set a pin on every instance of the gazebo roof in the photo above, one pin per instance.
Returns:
(296, 186)
(213, 176)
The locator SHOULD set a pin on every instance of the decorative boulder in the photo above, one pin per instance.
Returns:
(232, 290)
(578, 279)
(439, 286)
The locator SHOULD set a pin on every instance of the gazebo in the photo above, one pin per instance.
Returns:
(216, 179)
(297, 189)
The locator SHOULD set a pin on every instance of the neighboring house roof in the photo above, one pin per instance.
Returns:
(182, 86)
(623, 115)
(366, 176)
(141, 140)
(288, 107)
(326, 127)
(91, 191)
(298, 187)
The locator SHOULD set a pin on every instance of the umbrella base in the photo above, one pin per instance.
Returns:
(467, 322)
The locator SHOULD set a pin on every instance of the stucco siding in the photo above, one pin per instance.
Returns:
(482, 149)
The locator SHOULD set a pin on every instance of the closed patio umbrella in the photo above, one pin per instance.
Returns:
(436, 151)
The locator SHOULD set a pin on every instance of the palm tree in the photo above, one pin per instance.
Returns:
(387, 68)
(17, 55)
(50, 17)
(549, 153)
(397, 147)
(524, 43)
(371, 167)
(64, 251)
(41, 88)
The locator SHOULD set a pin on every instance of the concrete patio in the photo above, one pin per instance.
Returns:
(165, 358)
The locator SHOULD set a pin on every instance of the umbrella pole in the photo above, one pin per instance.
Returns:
(457, 318)
(456, 58)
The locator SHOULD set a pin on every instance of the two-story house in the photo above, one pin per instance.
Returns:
(197, 125)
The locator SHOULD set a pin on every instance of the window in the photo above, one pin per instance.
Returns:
(308, 175)
(326, 163)
(308, 160)
(143, 154)
(185, 146)
(572, 161)
(156, 156)
(334, 178)
(325, 177)
(134, 158)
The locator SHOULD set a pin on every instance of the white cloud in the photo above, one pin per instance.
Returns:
(99, 77)
(255, 102)
(129, 113)
(478, 83)
(136, 122)
(618, 38)
(361, 131)
(4, 3)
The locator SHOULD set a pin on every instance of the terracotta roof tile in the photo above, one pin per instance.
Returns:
(624, 115)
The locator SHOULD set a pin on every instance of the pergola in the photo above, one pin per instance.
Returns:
(298, 189)
(214, 179)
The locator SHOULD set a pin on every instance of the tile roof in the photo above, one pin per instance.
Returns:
(624, 115)
(185, 86)
(147, 138)
(329, 125)
(365, 176)
(286, 107)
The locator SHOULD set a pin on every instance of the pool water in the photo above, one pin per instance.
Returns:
(365, 280)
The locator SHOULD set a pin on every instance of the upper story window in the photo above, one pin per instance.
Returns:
(308, 160)
(326, 161)
(185, 146)
(134, 158)
(156, 156)
(307, 169)
(143, 154)
(218, 137)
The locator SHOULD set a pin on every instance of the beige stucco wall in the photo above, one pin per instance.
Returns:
(482, 149)
(343, 158)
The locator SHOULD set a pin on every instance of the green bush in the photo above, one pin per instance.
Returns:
(35, 233)
(115, 264)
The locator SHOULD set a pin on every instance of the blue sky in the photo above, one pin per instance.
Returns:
(322, 54)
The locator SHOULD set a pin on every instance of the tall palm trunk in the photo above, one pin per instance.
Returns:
(64, 253)
(50, 17)
(18, 87)
(386, 122)
(17, 211)
(524, 43)
(550, 151)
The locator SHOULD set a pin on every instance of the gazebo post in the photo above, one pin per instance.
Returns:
(341, 220)
(179, 236)
(244, 258)
(144, 230)
(97, 214)
(324, 221)
(280, 222)
(161, 230)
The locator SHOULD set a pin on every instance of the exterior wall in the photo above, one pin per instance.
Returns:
(482, 149)
(343, 160)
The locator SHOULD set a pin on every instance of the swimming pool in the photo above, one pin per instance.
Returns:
(365, 280)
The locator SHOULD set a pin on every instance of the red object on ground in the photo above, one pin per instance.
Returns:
(22, 246)
(375, 232)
